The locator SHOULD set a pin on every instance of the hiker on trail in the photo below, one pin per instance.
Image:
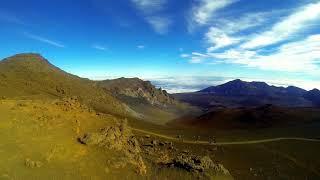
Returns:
(198, 138)
(212, 140)
(179, 137)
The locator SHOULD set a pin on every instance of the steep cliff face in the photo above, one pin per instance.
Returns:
(137, 88)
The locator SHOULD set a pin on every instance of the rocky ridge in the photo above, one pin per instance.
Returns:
(137, 88)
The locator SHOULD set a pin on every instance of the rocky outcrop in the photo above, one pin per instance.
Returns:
(167, 155)
(197, 164)
(137, 88)
(118, 138)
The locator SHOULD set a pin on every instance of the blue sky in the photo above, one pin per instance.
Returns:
(181, 45)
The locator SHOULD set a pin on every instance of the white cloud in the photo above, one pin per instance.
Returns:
(199, 54)
(197, 58)
(204, 12)
(224, 31)
(150, 6)
(184, 55)
(44, 40)
(244, 22)
(152, 12)
(159, 24)
(99, 47)
(299, 56)
(140, 46)
(286, 28)
(218, 39)
(234, 56)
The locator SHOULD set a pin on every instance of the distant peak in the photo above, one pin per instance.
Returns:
(259, 82)
(236, 80)
(27, 57)
(315, 90)
(30, 55)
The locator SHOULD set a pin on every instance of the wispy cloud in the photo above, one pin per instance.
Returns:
(140, 46)
(184, 55)
(203, 12)
(224, 32)
(219, 39)
(150, 6)
(44, 40)
(286, 28)
(244, 22)
(283, 47)
(196, 57)
(299, 56)
(10, 18)
(99, 47)
(159, 24)
(153, 15)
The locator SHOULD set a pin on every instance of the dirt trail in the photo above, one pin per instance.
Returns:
(228, 143)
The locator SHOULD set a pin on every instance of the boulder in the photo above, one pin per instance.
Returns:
(197, 164)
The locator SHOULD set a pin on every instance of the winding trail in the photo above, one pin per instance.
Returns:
(227, 143)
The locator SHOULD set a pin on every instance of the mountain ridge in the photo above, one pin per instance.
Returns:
(241, 93)
(236, 84)
(137, 88)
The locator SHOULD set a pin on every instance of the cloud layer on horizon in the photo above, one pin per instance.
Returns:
(182, 84)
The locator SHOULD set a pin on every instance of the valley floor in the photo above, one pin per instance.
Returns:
(255, 154)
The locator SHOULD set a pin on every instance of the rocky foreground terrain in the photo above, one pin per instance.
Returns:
(68, 140)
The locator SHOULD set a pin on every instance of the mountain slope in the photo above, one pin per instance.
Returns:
(32, 75)
(248, 94)
(314, 96)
